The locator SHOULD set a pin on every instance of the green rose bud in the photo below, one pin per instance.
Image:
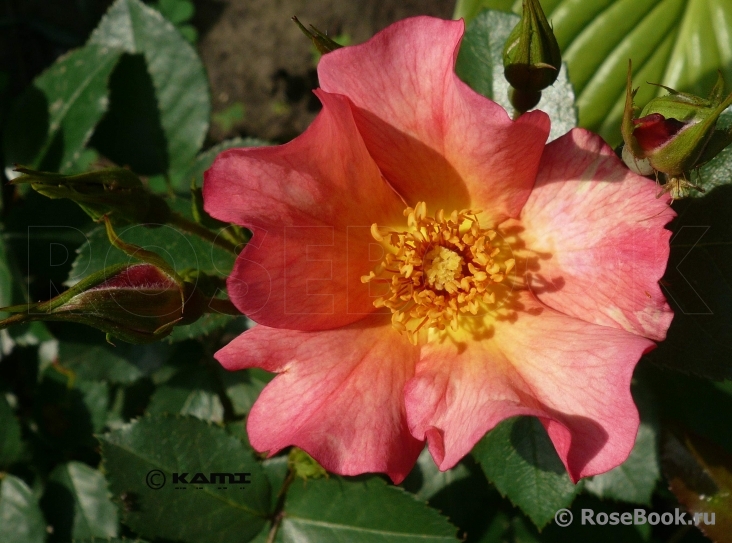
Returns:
(531, 56)
(116, 192)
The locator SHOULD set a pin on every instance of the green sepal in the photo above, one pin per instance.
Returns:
(321, 41)
(627, 126)
(116, 192)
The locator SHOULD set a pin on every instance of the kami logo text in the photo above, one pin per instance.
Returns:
(222, 480)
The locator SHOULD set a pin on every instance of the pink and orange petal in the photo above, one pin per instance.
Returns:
(399, 128)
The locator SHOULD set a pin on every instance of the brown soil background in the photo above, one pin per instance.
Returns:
(257, 56)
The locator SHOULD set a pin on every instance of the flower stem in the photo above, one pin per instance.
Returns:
(176, 219)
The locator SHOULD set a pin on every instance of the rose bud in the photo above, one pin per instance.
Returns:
(531, 57)
(138, 303)
(675, 133)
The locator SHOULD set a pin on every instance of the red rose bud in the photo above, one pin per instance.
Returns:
(137, 303)
(675, 133)
(113, 191)
(531, 57)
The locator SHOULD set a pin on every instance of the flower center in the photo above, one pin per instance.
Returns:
(442, 267)
(438, 268)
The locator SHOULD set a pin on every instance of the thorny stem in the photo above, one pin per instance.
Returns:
(176, 219)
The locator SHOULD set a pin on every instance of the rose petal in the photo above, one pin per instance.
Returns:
(572, 374)
(432, 136)
(601, 227)
(310, 204)
(338, 395)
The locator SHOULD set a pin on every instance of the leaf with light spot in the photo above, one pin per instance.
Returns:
(51, 122)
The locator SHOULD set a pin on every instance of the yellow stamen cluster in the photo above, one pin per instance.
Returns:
(436, 270)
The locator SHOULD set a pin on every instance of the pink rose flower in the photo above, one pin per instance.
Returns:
(423, 267)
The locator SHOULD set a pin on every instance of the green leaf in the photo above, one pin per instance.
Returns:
(21, 520)
(700, 476)
(691, 401)
(518, 457)
(243, 387)
(132, 133)
(102, 362)
(579, 532)
(464, 495)
(177, 74)
(426, 480)
(276, 468)
(78, 503)
(183, 251)
(635, 479)
(51, 122)
(192, 391)
(358, 511)
(468, 9)
(229, 117)
(202, 327)
(480, 65)
(110, 540)
(698, 286)
(718, 171)
(185, 445)
(238, 429)
(68, 411)
(176, 11)
(11, 445)
(6, 278)
(189, 32)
